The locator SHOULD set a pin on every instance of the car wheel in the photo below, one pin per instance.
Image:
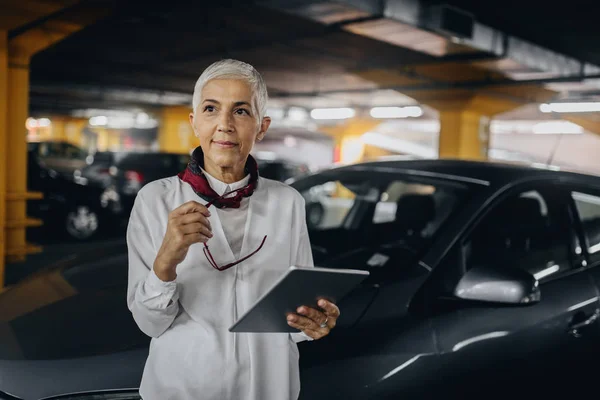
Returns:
(315, 212)
(82, 222)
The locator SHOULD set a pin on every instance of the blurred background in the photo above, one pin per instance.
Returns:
(95, 97)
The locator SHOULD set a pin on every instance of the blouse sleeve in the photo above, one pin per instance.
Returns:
(153, 303)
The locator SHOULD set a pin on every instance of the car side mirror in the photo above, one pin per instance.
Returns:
(498, 285)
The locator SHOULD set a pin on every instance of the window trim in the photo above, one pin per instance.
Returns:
(501, 196)
(591, 260)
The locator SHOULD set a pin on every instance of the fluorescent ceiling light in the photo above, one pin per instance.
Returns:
(332, 113)
(570, 107)
(44, 122)
(396, 112)
(297, 114)
(100, 120)
(276, 113)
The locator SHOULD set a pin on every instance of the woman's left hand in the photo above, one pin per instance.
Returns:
(315, 323)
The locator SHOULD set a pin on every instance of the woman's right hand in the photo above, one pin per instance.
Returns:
(188, 224)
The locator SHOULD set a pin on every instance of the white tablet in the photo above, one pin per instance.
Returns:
(299, 286)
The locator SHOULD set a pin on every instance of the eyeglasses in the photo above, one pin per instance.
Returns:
(209, 256)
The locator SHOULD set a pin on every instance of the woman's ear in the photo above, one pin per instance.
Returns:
(264, 126)
(191, 117)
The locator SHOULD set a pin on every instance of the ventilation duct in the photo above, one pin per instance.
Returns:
(440, 31)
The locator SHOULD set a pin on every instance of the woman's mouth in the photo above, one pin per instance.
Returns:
(224, 143)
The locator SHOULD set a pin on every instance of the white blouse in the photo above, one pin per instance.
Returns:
(192, 353)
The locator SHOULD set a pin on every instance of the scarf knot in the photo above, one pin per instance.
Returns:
(194, 176)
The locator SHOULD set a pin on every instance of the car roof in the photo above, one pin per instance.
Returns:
(487, 173)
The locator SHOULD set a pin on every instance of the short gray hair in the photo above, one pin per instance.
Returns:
(234, 69)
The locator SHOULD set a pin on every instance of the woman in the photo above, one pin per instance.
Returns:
(200, 256)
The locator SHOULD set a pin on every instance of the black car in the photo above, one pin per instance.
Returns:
(484, 281)
(59, 155)
(280, 169)
(67, 209)
(123, 174)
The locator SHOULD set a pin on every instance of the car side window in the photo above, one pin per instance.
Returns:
(588, 208)
(521, 232)
(73, 152)
(328, 204)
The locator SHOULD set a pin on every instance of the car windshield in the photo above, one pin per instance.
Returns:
(350, 209)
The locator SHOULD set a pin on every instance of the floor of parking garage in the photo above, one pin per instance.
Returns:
(52, 253)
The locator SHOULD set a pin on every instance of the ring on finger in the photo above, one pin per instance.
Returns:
(324, 324)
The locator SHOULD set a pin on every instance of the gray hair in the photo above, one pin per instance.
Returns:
(234, 69)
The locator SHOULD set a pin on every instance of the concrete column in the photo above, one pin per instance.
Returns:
(3, 136)
(58, 128)
(464, 135)
(102, 142)
(67, 129)
(465, 124)
(175, 134)
(15, 55)
(589, 122)
(373, 152)
(74, 130)
(349, 146)
(114, 140)
(16, 158)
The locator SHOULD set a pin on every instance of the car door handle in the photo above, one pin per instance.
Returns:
(575, 327)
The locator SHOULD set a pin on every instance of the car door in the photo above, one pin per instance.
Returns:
(510, 349)
(388, 351)
(585, 206)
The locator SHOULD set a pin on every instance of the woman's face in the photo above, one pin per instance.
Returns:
(226, 124)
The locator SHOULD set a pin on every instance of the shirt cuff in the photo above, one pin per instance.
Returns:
(159, 294)
(156, 283)
(298, 337)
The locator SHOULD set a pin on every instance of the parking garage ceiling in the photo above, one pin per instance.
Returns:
(315, 53)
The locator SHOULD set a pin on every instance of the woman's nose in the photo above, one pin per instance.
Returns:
(225, 123)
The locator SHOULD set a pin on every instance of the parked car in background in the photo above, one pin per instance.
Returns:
(97, 169)
(485, 278)
(60, 156)
(123, 174)
(281, 170)
(68, 209)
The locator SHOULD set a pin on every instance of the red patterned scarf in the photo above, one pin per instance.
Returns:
(195, 177)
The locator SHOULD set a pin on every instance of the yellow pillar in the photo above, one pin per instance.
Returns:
(102, 143)
(175, 135)
(74, 131)
(372, 152)
(15, 55)
(464, 135)
(349, 146)
(589, 122)
(16, 156)
(114, 140)
(348, 138)
(3, 135)
(58, 128)
(464, 112)
(465, 124)
(67, 129)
